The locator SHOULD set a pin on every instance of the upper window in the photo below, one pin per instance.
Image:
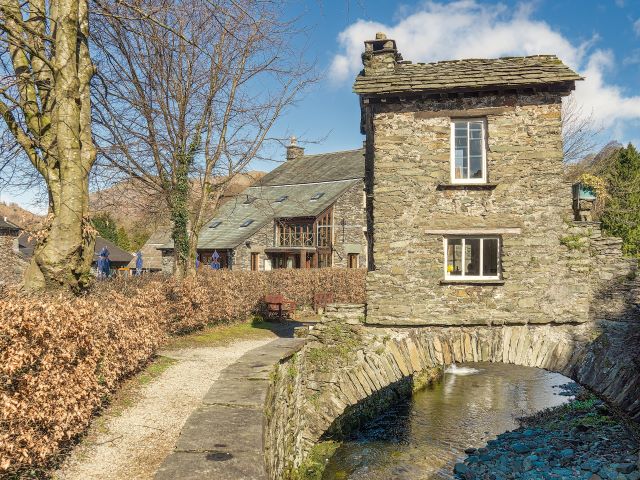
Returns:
(468, 155)
(249, 200)
(317, 196)
(282, 198)
(246, 223)
(471, 258)
(215, 224)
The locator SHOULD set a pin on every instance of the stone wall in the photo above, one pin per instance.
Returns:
(12, 264)
(263, 238)
(350, 207)
(345, 363)
(409, 172)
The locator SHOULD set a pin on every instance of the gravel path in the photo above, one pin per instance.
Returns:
(134, 444)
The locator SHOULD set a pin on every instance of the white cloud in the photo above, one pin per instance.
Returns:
(468, 29)
(636, 27)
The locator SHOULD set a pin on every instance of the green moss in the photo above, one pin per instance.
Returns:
(313, 466)
(574, 242)
(339, 344)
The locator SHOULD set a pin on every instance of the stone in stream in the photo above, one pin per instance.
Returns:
(460, 468)
(520, 447)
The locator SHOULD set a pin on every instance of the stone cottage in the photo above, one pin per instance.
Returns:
(467, 205)
(307, 213)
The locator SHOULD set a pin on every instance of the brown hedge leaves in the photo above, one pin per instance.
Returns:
(61, 357)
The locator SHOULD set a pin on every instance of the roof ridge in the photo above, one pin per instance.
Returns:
(334, 152)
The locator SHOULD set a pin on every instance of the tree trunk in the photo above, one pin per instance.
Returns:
(179, 205)
(64, 254)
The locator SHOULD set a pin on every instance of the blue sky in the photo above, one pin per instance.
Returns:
(598, 38)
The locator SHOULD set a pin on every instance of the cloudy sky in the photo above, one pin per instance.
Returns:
(598, 38)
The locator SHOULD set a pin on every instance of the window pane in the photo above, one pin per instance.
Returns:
(472, 256)
(490, 257)
(475, 130)
(462, 162)
(476, 166)
(461, 129)
(454, 256)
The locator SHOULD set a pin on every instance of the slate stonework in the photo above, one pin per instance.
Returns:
(410, 159)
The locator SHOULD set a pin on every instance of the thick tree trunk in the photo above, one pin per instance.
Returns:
(64, 254)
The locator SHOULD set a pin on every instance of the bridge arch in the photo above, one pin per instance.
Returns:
(348, 369)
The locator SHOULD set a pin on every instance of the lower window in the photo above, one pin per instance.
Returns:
(353, 260)
(472, 258)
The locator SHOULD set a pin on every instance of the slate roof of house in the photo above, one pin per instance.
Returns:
(323, 167)
(116, 254)
(299, 180)
(7, 225)
(467, 75)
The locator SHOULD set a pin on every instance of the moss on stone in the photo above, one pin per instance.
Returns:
(314, 464)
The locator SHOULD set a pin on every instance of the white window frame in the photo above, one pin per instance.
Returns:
(448, 276)
(483, 122)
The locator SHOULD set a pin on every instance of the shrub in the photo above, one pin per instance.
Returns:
(61, 357)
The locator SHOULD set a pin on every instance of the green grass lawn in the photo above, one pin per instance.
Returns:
(220, 335)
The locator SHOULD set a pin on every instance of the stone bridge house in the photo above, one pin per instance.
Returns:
(473, 250)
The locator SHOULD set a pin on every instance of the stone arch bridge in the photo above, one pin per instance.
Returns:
(348, 370)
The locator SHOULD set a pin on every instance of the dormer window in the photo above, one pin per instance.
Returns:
(215, 224)
(282, 198)
(246, 223)
(468, 152)
(316, 196)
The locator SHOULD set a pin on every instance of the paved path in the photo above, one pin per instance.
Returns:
(131, 444)
(222, 439)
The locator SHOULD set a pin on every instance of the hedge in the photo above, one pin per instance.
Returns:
(62, 357)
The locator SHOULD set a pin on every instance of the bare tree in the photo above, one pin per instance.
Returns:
(579, 131)
(46, 107)
(186, 99)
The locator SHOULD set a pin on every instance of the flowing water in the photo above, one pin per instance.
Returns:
(425, 436)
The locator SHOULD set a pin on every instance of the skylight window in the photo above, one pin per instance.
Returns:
(282, 198)
(215, 224)
(246, 223)
(249, 200)
(317, 196)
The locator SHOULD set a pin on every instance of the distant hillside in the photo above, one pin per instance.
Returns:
(141, 211)
(18, 215)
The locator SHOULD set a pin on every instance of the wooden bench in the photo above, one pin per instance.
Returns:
(278, 306)
(321, 300)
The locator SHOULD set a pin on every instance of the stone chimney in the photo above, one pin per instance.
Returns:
(294, 151)
(380, 56)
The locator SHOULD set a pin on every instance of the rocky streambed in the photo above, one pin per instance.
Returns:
(582, 439)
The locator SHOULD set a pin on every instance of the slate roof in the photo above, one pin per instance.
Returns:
(323, 167)
(467, 75)
(7, 225)
(116, 254)
(329, 173)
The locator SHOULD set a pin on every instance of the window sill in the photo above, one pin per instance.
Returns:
(468, 281)
(466, 186)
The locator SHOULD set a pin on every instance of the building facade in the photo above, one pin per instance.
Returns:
(307, 213)
(467, 204)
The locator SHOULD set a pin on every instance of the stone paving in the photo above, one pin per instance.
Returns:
(222, 439)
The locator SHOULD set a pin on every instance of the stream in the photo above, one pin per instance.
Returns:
(423, 437)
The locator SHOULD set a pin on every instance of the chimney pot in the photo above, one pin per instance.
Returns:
(380, 56)
(293, 150)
